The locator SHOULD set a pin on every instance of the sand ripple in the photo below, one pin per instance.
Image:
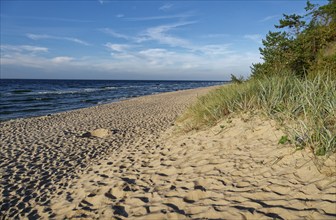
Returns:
(239, 172)
(41, 157)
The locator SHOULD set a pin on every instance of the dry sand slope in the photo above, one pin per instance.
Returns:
(235, 172)
(42, 156)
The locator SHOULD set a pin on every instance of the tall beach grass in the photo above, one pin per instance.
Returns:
(305, 108)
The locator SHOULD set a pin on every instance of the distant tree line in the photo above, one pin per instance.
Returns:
(305, 45)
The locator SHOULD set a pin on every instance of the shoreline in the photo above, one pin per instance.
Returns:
(46, 153)
(109, 103)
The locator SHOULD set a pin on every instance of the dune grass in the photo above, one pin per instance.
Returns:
(305, 108)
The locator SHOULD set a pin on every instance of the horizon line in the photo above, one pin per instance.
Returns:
(121, 79)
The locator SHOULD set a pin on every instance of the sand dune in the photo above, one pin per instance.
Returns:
(239, 172)
(145, 168)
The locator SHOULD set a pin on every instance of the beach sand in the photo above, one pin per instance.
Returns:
(148, 168)
(42, 156)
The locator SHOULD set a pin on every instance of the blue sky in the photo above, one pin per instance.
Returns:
(98, 39)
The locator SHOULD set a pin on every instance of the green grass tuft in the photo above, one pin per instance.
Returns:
(306, 108)
(283, 140)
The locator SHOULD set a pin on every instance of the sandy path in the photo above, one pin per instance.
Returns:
(235, 172)
(42, 156)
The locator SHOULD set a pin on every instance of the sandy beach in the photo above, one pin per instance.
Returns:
(41, 156)
(146, 167)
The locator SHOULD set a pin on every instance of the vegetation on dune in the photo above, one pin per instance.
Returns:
(296, 83)
(305, 108)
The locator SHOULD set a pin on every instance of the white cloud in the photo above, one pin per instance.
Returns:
(23, 60)
(155, 63)
(269, 18)
(156, 57)
(254, 37)
(117, 47)
(114, 33)
(76, 40)
(177, 58)
(214, 60)
(180, 16)
(215, 49)
(64, 59)
(101, 1)
(30, 56)
(47, 18)
(159, 33)
(154, 52)
(120, 15)
(45, 36)
(23, 48)
(166, 7)
(215, 35)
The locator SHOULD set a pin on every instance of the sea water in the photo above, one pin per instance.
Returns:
(21, 98)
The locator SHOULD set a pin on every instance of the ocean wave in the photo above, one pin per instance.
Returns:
(30, 99)
(27, 98)
(61, 92)
(20, 91)
(86, 90)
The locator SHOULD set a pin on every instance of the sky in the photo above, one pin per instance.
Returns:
(157, 40)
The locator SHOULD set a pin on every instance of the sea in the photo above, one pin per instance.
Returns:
(21, 98)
